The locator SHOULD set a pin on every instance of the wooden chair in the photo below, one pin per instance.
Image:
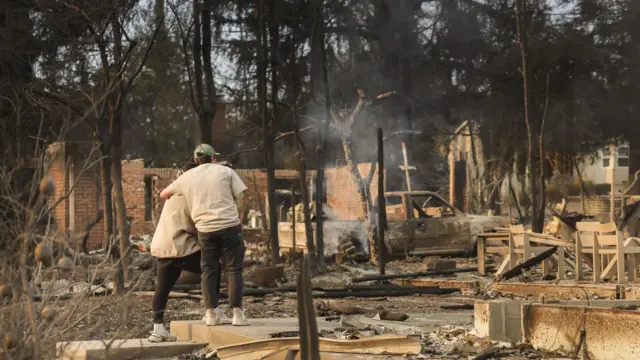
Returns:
(530, 244)
(521, 243)
(608, 248)
(491, 243)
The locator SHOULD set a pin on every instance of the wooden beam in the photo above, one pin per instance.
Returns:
(378, 345)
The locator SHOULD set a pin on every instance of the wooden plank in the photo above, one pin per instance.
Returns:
(123, 349)
(597, 260)
(632, 250)
(550, 242)
(289, 354)
(528, 263)
(546, 267)
(512, 254)
(503, 267)
(606, 273)
(378, 345)
(606, 253)
(579, 268)
(561, 263)
(631, 267)
(491, 236)
(482, 266)
(526, 248)
(620, 254)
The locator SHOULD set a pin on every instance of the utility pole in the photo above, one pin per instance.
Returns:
(406, 166)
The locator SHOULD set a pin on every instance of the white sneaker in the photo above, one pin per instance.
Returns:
(160, 335)
(216, 317)
(238, 317)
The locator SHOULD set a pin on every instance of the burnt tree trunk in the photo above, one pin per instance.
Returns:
(320, 89)
(204, 120)
(500, 172)
(210, 105)
(268, 134)
(537, 224)
(346, 126)
(107, 208)
(301, 160)
(115, 133)
(365, 195)
(476, 185)
(118, 197)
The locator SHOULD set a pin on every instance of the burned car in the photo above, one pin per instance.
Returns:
(422, 223)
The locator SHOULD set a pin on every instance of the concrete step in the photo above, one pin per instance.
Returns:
(123, 349)
(224, 335)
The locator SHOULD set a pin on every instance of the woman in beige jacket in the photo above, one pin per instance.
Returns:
(175, 245)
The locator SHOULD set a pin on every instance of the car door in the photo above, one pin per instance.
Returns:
(436, 227)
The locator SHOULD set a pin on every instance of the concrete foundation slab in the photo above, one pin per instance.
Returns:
(123, 349)
(609, 334)
(501, 320)
(463, 285)
(562, 290)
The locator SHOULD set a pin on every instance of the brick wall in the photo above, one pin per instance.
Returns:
(135, 190)
(597, 206)
(256, 181)
(84, 171)
(82, 206)
(75, 175)
(58, 174)
(342, 191)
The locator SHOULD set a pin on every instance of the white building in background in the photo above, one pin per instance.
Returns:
(463, 153)
(597, 168)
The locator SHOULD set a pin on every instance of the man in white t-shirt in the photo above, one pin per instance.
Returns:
(215, 200)
(175, 247)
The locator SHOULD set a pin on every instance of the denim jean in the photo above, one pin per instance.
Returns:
(168, 272)
(227, 244)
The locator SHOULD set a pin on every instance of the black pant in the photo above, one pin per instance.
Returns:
(227, 244)
(168, 272)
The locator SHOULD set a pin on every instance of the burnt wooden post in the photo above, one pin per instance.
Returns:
(309, 338)
(382, 207)
(293, 223)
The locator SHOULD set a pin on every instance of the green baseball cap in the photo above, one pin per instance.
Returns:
(204, 149)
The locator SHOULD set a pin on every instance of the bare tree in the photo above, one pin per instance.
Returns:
(119, 67)
(522, 39)
(301, 161)
(345, 124)
(268, 123)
